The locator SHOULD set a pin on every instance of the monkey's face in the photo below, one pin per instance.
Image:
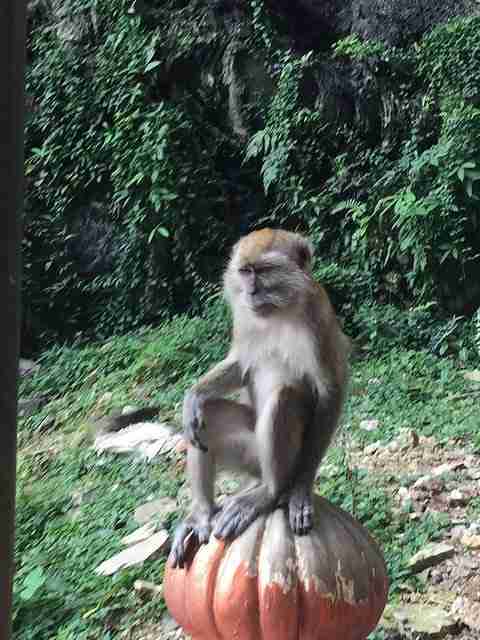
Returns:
(267, 284)
(269, 270)
(259, 285)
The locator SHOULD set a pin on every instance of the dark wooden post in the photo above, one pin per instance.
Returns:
(12, 65)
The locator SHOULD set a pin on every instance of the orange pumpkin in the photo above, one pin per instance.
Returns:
(271, 585)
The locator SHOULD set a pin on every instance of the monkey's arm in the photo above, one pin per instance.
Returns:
(224, 378)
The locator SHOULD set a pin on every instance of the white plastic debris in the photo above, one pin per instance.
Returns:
(148, 439)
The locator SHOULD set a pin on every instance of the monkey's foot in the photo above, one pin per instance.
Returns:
(300, 511)
(240, 511)
(197, 525)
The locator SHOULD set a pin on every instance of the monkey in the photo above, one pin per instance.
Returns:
(290, 355)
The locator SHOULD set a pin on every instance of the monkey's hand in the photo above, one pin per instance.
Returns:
(193, 419)
(197, 525)
(300, 510)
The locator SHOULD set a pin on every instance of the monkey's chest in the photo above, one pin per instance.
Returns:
(274, 372)
(278, 355)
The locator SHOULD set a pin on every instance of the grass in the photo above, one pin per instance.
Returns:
(75, 506)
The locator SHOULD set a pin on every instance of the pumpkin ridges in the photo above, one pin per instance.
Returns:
(278, 581)
(359, 545)
(331, 593)
(271, 585)
(358, 530)
(174, 590)
(363, 545)
(238, 588)
(200, 589)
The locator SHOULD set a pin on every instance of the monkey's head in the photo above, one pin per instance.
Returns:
(269, 270)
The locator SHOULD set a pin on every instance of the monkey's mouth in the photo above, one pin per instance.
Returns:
(259, 305)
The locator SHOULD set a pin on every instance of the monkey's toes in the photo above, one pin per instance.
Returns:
(179, 546)
(183, 537)
(232, 527)
(233, 521)
(301, 517)
(301, 523)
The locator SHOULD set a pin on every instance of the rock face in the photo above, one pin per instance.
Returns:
(71, 25)
(316, 23)
(399, 22)
(346, 93)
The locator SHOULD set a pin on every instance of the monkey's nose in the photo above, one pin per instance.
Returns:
(253, 289)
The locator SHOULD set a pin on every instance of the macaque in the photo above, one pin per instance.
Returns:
(289, 354)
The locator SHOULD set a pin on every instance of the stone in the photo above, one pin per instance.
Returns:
(387, 621)
(168, 623)
(369, 425)
(471, 542)
(457, 499)
(472, 376)
(372, 448)
(83, 496)
(29, 406)
(458, 532)
(407, 438)
(474, 528)
(147, 589)
(404, 496)
(468, 612)
(136, 554)
(145, 439)
(129, 408)
(448, 467)
(430, 556)
(155, 509)
(426, 619)
(140, 534)
(474, 474)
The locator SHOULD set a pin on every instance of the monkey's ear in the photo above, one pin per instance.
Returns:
(304, 250)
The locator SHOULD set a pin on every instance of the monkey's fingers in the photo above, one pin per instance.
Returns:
(193, 436)
(196, 442)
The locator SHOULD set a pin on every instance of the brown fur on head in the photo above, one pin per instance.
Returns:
(269, 269)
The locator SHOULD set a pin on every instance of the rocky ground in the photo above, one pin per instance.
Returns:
(423, 477)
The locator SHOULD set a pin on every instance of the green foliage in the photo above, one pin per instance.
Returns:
(392, 194)
(286, 122)
(150, 366)
(56, 588)
(371, 150)
(354, 48)
(107, 144)
(449, 59)
(384, 327)
(74, 506)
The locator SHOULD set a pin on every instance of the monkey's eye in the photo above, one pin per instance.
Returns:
(265, 268)
(245, 270)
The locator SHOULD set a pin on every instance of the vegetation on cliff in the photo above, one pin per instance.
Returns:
(159, 131)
